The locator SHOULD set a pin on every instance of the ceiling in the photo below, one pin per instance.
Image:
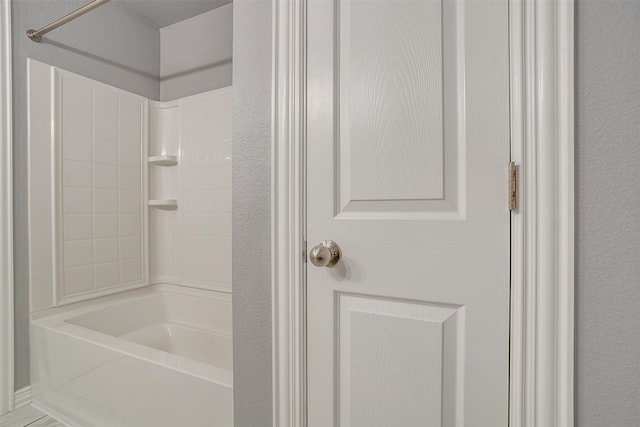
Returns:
(166, 12)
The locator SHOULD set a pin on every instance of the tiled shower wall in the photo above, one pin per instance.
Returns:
(88, 172)
(206, 188)
(191, 245)
(101, 140)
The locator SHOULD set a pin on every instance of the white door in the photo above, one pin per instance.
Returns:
(408, 147)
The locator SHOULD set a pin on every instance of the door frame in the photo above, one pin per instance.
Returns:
(6, 215)
(542, 240)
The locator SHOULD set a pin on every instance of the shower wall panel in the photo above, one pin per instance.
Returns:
(165, 229)
(93, 173)
(191, 245)
(206, 188)
(101, 143)
(87, 161)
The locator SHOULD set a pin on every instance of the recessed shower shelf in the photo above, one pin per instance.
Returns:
(164, 160)
(168, 204)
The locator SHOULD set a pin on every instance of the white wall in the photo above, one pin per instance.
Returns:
(101, 139)
(191, 245)
(196, 54)
(607, 213)
(111, 45)
(92, 184)
(206, 190)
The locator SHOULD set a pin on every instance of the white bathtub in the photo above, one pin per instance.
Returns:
(159, 356)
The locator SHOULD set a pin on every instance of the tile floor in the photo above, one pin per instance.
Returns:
(28, 416)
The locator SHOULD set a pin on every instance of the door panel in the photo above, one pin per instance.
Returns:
(407, 148)
(390, 86)
(397, 90)
(371, 331)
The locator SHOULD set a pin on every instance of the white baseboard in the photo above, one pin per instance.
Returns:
(22, 397)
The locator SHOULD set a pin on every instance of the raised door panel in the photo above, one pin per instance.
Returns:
(398, 362)
(397, 90)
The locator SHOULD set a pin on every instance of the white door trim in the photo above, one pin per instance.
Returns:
(541, 56)
(288, 226)
(542, 238)
(6, 214)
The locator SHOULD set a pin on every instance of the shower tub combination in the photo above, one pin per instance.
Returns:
(156, 356)
(111, 343)
(130, 254)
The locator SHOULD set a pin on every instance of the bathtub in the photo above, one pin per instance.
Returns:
(158, 356)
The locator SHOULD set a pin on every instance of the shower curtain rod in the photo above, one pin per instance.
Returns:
(36, 35)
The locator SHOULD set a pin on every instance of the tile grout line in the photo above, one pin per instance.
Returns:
(38, 419)
(93, 189)
(118, 168)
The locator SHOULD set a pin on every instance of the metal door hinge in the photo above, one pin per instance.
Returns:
(304, 251)
(513, 186)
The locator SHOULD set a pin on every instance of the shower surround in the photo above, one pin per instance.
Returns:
(130, 249)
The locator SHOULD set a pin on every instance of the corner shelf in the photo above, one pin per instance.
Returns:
(167, 204)
(163, 160)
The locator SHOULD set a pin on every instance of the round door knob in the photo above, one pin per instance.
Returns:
(326, 254)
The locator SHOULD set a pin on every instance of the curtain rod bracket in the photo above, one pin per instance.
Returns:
(33, 35)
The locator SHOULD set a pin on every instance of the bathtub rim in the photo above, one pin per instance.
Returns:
(54, 319)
